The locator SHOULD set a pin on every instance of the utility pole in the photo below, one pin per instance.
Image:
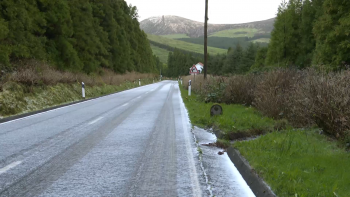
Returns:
(206, 40)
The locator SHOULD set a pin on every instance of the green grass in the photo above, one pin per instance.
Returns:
(235, 118)
(299, 163)
(264, 40)
(234, 33)
(196, 48)
(161, 53)
(175, 36)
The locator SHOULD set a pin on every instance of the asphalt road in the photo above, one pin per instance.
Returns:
(133, 143)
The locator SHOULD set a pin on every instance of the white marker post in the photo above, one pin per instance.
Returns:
(83, 89)
(181, 81)
(189, 88)
(139, 82)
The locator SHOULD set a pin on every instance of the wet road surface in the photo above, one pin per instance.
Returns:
(133, 143)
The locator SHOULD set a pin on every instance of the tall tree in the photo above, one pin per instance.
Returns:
(332, 32)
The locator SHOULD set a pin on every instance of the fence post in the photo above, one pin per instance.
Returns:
(83, 89)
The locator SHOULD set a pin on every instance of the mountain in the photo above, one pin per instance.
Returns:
(167, 25)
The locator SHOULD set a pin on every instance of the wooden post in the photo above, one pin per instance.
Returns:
(206, 40)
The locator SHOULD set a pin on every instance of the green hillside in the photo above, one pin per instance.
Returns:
(176, 36)
(234, 33)
(225, 43)
(195, 48)
(161, 53)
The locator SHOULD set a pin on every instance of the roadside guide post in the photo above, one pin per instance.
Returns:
(139, 82)
(189, 88)
(181, 81)
(83, 89)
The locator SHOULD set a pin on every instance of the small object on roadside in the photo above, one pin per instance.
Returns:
(220, 152)
(216, 109)
(320, 132)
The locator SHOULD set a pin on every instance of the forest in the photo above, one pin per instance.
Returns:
(74, 35)
(306, 34)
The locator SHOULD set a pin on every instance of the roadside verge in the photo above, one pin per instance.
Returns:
(65, 104)
(293, 162)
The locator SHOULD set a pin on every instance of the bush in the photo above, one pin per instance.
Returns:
(303, 98)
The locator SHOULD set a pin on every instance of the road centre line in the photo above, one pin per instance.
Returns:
(8, 167)
(125, 104)
(93, 122)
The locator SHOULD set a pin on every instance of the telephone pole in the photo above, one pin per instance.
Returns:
(206, 40)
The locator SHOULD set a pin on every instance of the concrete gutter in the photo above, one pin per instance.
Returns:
(256, 184)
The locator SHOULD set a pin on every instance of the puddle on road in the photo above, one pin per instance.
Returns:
(222, 177)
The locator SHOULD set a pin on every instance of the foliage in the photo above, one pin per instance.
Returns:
(299, 163)
(76, 35)
(311, 33)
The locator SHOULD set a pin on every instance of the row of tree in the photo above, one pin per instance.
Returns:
(237, 60)
(311, 32)
(77, 35)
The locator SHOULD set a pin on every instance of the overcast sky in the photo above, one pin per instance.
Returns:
(220, 11)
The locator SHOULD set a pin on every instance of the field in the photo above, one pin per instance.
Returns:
(222, 42)
(196, 48)
(175, 36)
(261, 40)
(161, 53)
(235, 33)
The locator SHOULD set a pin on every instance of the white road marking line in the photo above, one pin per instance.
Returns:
(125, 104)
(139, 97)
(93, 122)
(8, 167)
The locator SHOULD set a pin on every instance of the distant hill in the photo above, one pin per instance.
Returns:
(175, 25)
(169, 44)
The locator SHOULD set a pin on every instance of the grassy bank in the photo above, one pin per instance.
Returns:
(293, 162)
(17, 98)
(38, 86)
